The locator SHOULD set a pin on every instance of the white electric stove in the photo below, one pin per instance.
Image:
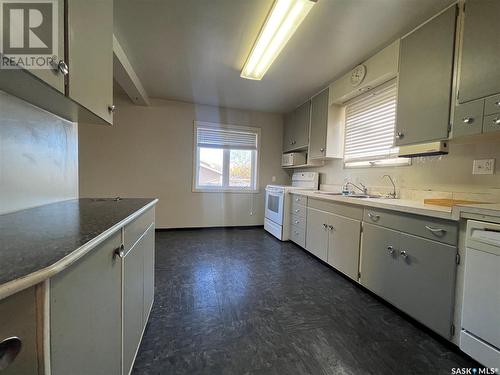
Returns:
(277, 221)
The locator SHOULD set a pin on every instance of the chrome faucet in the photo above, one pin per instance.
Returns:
(363, 188)
(393, 194)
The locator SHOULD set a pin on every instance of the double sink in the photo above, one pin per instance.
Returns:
(354, 195)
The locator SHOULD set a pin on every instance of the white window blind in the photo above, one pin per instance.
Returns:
(226, 138)
(370, 124)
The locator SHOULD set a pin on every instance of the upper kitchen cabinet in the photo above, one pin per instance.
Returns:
(326, 137)
(319, 124)
(78, 86)
(296, 129)
(55, 77)
(425, 81)
(479, 74)
(90, 49)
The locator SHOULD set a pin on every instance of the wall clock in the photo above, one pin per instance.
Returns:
(358, 75)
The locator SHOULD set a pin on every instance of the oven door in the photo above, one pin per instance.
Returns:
(274, 205)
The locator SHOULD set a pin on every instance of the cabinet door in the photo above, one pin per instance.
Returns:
(428, 270)
(149, 271)
(468, 119)
(301, 125)
(317, 233)
(425, 79)
(90, 46)
(54, 77)
(133, 300)
(379, 262)
(18, 320)
(479, 68)
(319, 125)
(85, 314)
(288, 126)
(343, 245)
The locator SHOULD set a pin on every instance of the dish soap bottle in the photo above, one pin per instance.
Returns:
(345, 187)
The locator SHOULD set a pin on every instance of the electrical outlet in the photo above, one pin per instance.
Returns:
(485, 166)
(273, 179)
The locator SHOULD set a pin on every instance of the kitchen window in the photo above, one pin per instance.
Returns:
(226, 158)
(370, 121)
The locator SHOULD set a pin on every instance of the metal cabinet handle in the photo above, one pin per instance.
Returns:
(325, 226)
(297, 199)
(496, 121)
(404, 254)
(9, 350)
(330, 227)
(497, 103)
(468, 120)
(297, 222)
(297, 210)
(322, 149)
(400, 135)
(435, 230)
(373, 216)
(390, 249)
(63, 67)
(120, 252)
(112, 108)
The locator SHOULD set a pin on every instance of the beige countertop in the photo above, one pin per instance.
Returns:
(409, 206)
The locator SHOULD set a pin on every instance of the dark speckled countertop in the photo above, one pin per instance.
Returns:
(37, 238)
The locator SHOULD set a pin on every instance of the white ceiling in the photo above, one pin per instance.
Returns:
(193, 50)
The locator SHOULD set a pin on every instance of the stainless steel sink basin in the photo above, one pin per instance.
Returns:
(363, 196)
(350, 195)
(328, 193)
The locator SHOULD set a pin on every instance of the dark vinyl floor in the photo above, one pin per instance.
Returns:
(238, 301)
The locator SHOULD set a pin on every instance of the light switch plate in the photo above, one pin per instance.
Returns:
(484, 166)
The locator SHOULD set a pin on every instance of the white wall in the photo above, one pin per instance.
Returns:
(38, 156)
(149, 153)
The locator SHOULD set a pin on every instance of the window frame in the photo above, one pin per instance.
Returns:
(225, 188)
(390, 160)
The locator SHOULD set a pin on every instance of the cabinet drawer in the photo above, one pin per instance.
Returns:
(341, 209)
(431, 228)
(298, 210)
(134, 230)
(491, 123)
(298, 235)
(299, 199)
(298, 221)
(468, 119)
(492, 105)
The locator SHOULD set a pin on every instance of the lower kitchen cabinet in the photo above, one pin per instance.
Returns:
(138, 288)
(133, 302)
(149, 272)
(100, 305)
(85, 313)
(412, 273)
(19, 334)
(343, 245)
(317, 233)
(334, 239)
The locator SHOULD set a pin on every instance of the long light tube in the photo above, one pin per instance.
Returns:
(284, 18)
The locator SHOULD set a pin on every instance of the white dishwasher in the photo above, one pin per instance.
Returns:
(480, 333)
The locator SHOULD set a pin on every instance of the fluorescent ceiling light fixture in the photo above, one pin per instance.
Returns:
(284, 18)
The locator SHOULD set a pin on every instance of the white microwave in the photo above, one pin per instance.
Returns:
(293, 158)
